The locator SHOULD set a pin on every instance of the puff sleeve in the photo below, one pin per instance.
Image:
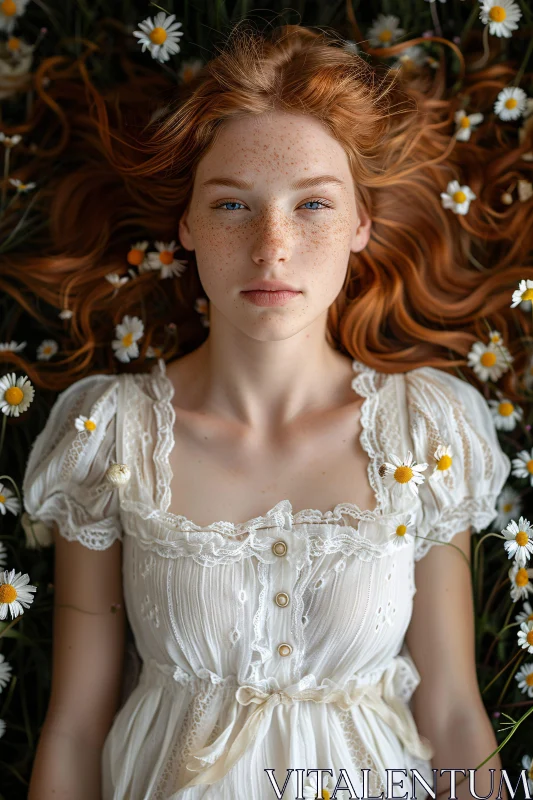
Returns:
(64, 479)
(444, 409)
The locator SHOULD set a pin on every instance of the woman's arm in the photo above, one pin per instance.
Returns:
(88, 654)
(447, 705)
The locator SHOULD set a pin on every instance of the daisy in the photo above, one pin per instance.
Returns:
(401, 474)
(466, 123)
(527, 763)
(137, 256)
(129, 331)
(201, 305)
(5, 672)
(384, 31)
(403, 534)
(47, 349)
(9, 141)
(500, 15)
(520, 580)
(488, 362)
(495, 337)
(522, 465)
(36, 529)
(8, 500)
(115, 279)
(525, 191)
(12, 346)
(524, 292)
(457, 197)
(10, 11)
(519, 540)
(524, 676)
(65, 314)
(311, 787)
(526, 615)
(508, 506)
(443, 458)
(510, 103)
(164, 260)
(15, 592)
(351, 46)
(22, 187)
(3, 555)
(189, 69)
(411, 57)
(160, 36)
(525, 636)
(154, 352)
(85, 423)
(505, 414)
(16, 394)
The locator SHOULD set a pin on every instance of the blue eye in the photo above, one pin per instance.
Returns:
(323, 203)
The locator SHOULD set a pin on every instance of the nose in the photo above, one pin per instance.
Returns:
(273, 240)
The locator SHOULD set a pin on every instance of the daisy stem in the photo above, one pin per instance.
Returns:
(10, 625)
(518, 77)
(435, 17)
(449, 544)
(476, 551)
(509, 679)
(2, 435)
(6, 173)
(509, 663)
(468, 24)
(515, 726)
(497, 586)
(486, 50)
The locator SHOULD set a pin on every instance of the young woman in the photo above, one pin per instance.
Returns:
(268, 511)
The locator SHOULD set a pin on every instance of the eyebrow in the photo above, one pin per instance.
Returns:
(303, 183)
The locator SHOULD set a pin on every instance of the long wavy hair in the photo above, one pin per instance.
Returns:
(428, 284)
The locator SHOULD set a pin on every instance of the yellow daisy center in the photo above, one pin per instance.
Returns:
(529, 466)
(459, 196)
(127, 340)
(521, 538)
(529, 679)
(14, 395)
(90, 425)
(505, 409)
(465, 122)
(385, 36)
(507, 507)
(522, 578)
(400, 530)
(488, 359)
(530, 618)
(529, 637)
(158, 35)
(444, 462)
(2, 498)
(403, 474)
(188, 74)
(8, 593)
(325, 794)
(166, 257)
(47, 349)
(511, 102)
(497, 14)
(13, 43)
(527, 295)
(135, 256)
(9, 8)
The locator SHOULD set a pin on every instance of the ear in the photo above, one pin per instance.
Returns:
(361, 234)
(184, 232)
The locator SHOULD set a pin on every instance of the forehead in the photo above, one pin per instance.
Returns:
(276, 146)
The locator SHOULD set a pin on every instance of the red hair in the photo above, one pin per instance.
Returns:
(426, 287)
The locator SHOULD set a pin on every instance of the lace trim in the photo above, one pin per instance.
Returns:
(476, 511)
(363, 383)
(214, 546)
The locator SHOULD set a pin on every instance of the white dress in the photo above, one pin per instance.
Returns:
(276, 643)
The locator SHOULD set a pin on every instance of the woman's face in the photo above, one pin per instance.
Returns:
(247, 221)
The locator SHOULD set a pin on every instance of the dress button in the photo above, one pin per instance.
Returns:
(284, 649)
(282, 599)
(279, 548)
